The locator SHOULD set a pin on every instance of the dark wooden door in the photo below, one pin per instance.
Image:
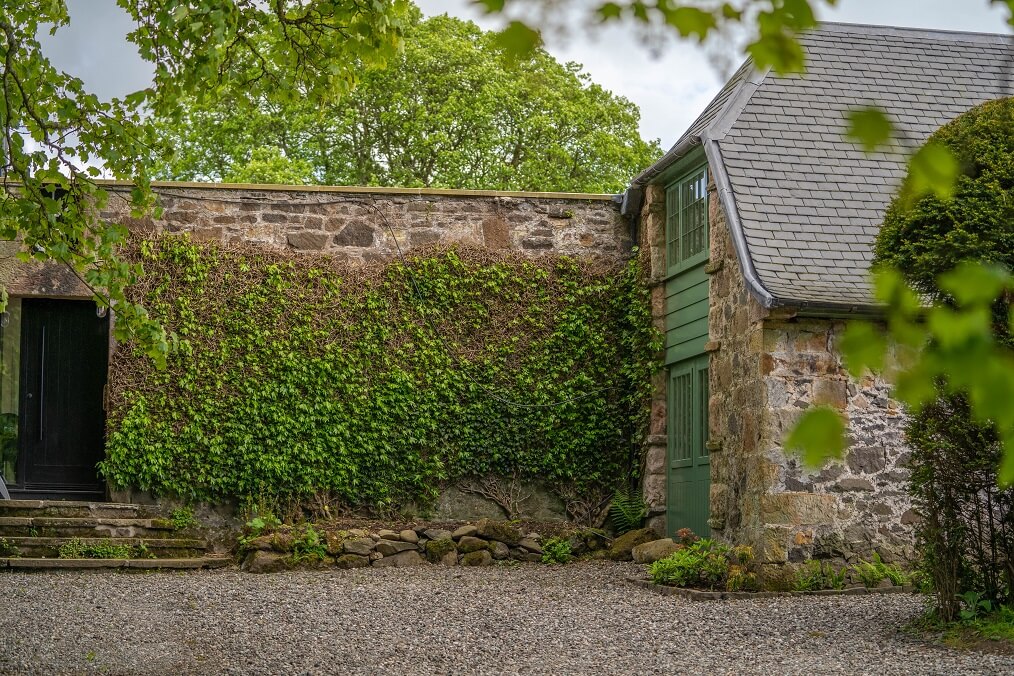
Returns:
(64, 361)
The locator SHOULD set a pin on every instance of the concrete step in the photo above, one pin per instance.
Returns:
(49, 547)
(191, 563)
(67, 526)
(73, 508)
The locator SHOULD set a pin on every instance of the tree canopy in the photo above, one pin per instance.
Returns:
(56, 135)
(453, 110)
(932, 236)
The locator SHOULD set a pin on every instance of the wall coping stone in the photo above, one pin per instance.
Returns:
(363, 190)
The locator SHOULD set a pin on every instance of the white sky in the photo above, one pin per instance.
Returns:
(671, 89)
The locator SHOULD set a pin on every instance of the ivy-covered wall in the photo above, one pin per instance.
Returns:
(302, 375)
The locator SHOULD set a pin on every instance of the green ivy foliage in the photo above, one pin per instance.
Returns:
(301, 375)
(933, 236)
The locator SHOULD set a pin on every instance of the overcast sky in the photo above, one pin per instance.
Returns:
(671, 88)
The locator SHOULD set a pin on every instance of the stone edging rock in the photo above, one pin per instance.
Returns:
(701, 595)
(479, 544)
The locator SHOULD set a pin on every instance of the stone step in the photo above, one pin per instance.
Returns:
(66, 526)
(192, 563)
(48, 547)
(73, 508)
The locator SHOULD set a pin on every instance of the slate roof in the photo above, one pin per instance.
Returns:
(805, 203)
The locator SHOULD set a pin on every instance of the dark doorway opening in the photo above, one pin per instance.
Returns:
(59, 373)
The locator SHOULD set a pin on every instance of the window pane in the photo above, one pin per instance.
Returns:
(682, 417)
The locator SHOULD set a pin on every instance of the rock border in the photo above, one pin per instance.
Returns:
(483, 543)
(702, 595)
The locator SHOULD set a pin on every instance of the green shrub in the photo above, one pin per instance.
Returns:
(966, 536)
(183, 518)
(557, 550)
(106, 549)
(627, 510)
(7, 549)
(816, 575)
(705, 564)
(303, 375)
(307, 545)
(872, 573)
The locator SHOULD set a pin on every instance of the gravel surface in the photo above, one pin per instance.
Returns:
(525, 619)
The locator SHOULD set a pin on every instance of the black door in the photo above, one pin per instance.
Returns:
(64, 360)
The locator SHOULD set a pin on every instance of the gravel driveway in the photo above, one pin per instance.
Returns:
(580, 618)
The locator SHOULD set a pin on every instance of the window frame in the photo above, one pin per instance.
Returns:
(673, 221)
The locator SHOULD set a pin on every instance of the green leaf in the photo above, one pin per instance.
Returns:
(975, 283)
(490, 6)
(818, 436)
(519, 40)
(863, 347)
(870, 127)
(690, 21)
(932, 170)
(609, 11)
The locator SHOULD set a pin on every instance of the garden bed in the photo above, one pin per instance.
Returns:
(705, 595)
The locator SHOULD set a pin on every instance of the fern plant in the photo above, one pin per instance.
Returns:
(627, 510)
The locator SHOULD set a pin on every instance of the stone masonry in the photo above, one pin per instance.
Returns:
(651, 241)
(373, 223)
(766, 368)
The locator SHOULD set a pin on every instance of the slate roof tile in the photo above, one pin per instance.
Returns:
(809, 201)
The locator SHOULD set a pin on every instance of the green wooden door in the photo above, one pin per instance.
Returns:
(686, 323)
(689, 465)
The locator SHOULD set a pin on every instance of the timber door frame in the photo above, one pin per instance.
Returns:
(64, 366)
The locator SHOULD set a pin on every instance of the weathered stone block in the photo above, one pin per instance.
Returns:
(828, 392)
(307, 241)
(349, 561)
(656, 460)
(259, 561)
(390, 548)
(655, 489)
(355, 234)
(853, 484)
(401, 560)
(463, 531)
(621, 549)
(867, 459)
(774, 546)
(798, 509)
(437, 550)
(500, 531)
(472, 544)
(477, 558)
(649, 552)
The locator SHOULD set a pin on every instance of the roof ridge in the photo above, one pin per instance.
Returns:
(911, 31)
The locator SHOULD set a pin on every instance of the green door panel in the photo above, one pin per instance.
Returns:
(686, 319)
(689, 465)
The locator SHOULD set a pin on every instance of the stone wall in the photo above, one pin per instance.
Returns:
(363, 224)
(372, 223)
(651, 243)
(848, 508)
(480, 544)
(740, 474)
(767, 368)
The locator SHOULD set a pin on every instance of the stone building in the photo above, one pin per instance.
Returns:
(759, 225)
